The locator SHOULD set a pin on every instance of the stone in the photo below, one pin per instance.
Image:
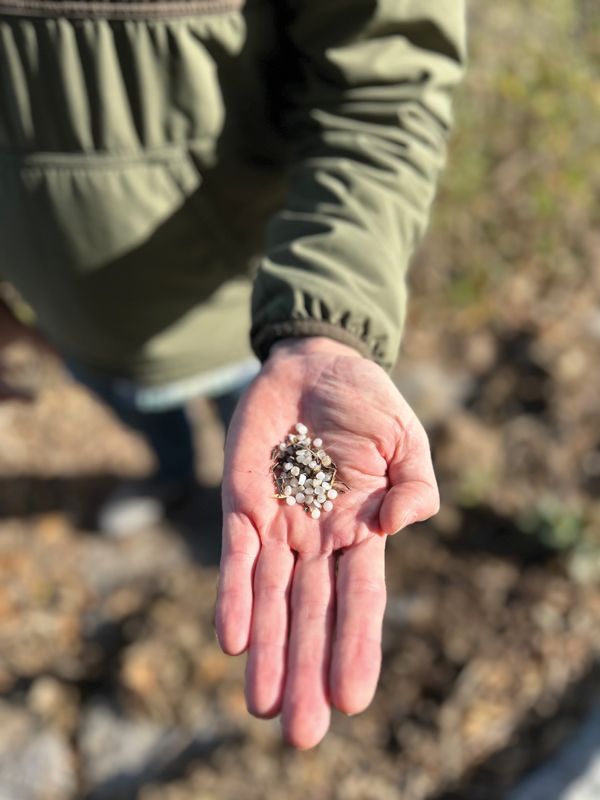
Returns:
(35, 763)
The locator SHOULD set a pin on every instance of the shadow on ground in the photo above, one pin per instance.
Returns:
(198, 523)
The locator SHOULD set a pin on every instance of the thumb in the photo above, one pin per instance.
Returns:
(413, 495)
(405, 503)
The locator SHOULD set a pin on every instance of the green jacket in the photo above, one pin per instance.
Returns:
(175, 174)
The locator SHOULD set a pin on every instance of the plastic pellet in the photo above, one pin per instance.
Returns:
(300, 472)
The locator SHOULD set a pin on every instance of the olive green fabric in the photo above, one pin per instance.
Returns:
(141, 158)
(368, 115)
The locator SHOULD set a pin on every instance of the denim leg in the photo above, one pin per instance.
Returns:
(168, 432)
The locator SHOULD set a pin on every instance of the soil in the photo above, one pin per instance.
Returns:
(490, 643)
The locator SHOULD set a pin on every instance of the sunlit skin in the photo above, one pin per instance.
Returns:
(305, 598)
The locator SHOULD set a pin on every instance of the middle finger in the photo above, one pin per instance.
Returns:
(306, 705)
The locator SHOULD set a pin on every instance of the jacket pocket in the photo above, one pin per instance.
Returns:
(111, 249)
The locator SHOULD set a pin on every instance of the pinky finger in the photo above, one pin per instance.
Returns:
(241, 545)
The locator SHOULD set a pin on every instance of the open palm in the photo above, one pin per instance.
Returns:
(306, 597)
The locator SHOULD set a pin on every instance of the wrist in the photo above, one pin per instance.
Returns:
(309, 345)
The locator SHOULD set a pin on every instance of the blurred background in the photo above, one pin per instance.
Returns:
(112, 683)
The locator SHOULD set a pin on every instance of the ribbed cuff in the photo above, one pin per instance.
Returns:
(263, 339)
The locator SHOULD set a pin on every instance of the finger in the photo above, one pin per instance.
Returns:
(234, 593)
(265, 669)
(414, 494)
(306, 708)
(361, 598)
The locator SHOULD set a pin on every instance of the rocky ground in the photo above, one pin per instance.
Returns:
(112, 684)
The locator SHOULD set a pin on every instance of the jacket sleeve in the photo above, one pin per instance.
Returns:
(367, 114)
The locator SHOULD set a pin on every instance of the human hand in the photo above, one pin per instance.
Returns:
(306, 597)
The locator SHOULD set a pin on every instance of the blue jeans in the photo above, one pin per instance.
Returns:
(168, 431)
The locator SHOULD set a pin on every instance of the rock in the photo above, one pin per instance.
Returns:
(573, 774)
(435, 394)
(120, 754)
(35, 763)
(55, 702)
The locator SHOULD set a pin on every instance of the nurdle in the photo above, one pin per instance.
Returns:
(304, 474)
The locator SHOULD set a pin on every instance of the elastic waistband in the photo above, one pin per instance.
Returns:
(116, 9)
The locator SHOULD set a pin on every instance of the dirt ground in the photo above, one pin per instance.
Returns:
(112, 682)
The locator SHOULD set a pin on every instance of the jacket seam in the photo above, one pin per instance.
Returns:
(84, 9)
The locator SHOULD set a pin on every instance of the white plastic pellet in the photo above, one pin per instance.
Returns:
(304, 478)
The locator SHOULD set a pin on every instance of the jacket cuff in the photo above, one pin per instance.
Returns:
(263, 339)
